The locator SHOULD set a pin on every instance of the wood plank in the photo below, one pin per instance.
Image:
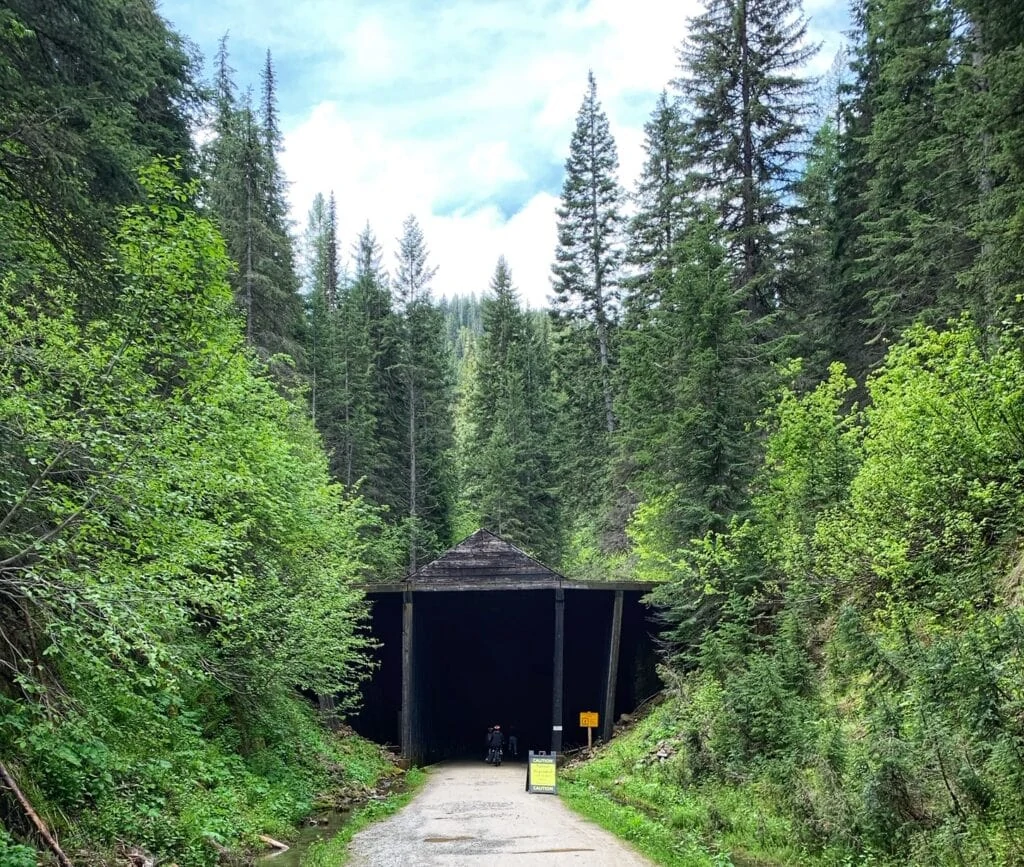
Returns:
(613, 668)
(559, 665)
(408, 693)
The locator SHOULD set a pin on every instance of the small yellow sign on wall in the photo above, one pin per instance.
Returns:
(588, 719)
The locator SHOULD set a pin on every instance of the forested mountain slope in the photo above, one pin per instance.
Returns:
(175, 561)
(781, 375)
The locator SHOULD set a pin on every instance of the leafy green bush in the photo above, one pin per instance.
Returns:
(855, 643)
(13, 854)
(175, 563)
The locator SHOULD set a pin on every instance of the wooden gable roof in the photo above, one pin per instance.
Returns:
(484, 561)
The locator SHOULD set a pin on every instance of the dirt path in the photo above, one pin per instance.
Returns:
(476, 814)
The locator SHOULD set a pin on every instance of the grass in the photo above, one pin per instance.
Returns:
(646, 801)
(334, 852)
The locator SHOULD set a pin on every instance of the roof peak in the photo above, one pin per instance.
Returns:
(485, 560)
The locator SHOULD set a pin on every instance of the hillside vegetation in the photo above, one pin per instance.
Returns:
(845, 685)
(781, 376)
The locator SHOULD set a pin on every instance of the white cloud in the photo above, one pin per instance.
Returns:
(455, 111)
(481, 130)
(382, 181)
(370, 50)
(474, 241)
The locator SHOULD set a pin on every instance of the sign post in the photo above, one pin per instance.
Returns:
(541, 773)
(589, 721)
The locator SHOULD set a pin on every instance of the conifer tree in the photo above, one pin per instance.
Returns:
(745, 105)
(507, 481)
(664, 201)
(91, 93)
(663, 198)
(689, 398)
(589, 253)
(912, 243)
(373, 329)
(247, 198)
(318, 236)
(337, 352)
(986, 99)
(853, 171)
(819, 310)
(464, 322)
(426, 378)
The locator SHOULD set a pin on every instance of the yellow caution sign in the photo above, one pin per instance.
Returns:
(589, 719)
(542, 774)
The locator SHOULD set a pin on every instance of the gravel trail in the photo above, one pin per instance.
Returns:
(476, 814)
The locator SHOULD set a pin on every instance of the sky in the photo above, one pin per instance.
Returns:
(457, 111)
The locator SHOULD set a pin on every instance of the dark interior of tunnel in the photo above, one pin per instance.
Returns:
(378, 717)
(481, 658)
(486, 657)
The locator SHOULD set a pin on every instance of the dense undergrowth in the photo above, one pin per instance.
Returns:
(177, 570)
(127, 775)
(847, 661)
(654, 803)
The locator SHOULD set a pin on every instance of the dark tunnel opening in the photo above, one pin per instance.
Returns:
(482, 658)
(486, 657)
(379, 716)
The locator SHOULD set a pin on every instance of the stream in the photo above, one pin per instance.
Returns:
(328, 825)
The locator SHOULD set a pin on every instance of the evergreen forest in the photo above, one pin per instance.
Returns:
(781, 375)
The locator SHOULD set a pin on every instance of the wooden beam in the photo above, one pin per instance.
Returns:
(613, 668)
(408, 693)
(456, 586)
(559, 664)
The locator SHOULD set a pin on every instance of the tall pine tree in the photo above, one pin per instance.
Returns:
(663, 197)
(689, 399)
(586, 280)
(426, 376)
(337, 352)
(589, 254)
(373, 332)
(508, 482)
(746, 107)
(247, 199)
(912, 243)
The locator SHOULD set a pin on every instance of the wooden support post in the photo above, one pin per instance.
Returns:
(408, 693)
(559, 662)
(613, 668)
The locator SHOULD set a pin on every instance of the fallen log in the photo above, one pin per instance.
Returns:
(276, 844)
(33, 817)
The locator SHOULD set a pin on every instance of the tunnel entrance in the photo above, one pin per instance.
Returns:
(485, 635)
(482, 658)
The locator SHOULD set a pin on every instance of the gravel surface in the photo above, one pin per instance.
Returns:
(480, 815)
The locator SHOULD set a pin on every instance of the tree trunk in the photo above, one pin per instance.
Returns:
(749, 218)
(248, 259)
(989, 307)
